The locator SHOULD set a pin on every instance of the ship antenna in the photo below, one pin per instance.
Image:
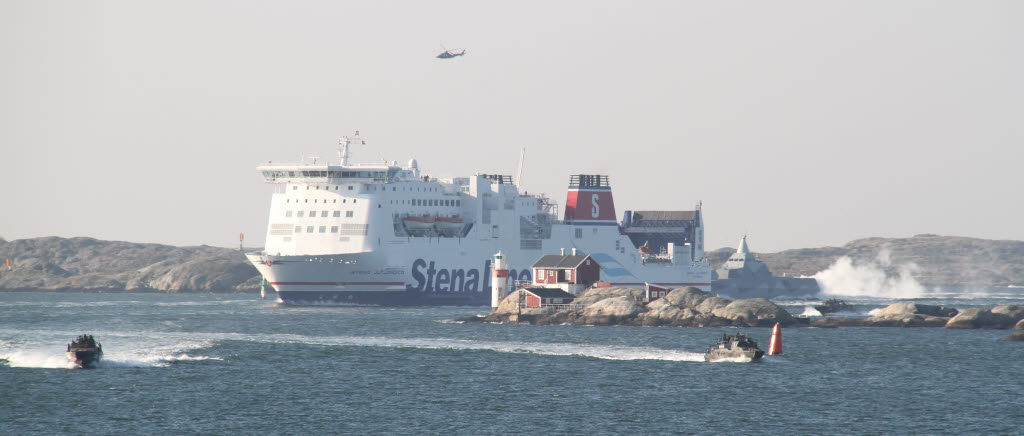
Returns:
(522, 161)
(344, 144)
(343, 150)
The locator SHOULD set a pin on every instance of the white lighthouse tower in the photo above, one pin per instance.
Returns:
(499, 283)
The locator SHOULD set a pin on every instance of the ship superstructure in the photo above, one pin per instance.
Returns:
(744, 276)
(391, 235)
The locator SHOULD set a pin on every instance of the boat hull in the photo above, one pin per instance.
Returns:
(742, 356)
(84, 358)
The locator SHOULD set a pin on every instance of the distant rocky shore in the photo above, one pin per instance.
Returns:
(88, 264)
(691, 307)
(944, 261)
(92, 265)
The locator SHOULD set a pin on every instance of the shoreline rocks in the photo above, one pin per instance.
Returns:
(900, 314)
(691, 307)
(979, 318)
(1014, 337)
(683, 307)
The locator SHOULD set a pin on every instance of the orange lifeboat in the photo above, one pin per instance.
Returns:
(448, 225)
(418, 223)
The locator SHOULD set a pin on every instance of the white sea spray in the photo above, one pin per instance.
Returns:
(846, 277)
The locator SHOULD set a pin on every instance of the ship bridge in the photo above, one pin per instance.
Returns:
(329, 173)
(343, 173)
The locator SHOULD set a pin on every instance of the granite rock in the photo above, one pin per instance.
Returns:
(1014, 337)
(593, 295)
(754, 312)
(979, 318)
(615, 310)
(1015, 312)
(899, 309)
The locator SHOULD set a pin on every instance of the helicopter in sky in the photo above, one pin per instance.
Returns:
(448, 54)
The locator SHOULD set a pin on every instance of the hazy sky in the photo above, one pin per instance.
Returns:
(803, 124)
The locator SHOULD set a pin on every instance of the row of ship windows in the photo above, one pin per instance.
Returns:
(331, 174)
(371, 188)
(310, 229)
(395, 188)
(414, 202)
(429, 202)
(306, 200)
(312, 214)
(326, 188)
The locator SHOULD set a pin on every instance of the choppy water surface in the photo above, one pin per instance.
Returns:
(232, 363)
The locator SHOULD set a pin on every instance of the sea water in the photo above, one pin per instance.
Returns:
(231, 363)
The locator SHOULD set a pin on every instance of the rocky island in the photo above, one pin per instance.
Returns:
(691, 307)
(906, 314)
(93, 265)
(683, 307)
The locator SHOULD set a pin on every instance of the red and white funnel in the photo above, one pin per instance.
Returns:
(775, 346)
(589, 200)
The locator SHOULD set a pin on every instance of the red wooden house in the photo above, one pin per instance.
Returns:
(654, 292)
(569, 272)
(535, 297)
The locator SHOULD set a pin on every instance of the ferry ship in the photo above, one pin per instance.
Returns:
(391, 235)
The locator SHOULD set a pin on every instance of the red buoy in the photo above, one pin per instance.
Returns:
(775, 346)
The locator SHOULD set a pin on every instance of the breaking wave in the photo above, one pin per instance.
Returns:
(49, 359)
(848, 278)
(810, 311)
(119, 352)
(35, 359)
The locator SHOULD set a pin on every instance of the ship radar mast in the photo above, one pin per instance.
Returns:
(343, 146)
(519, 174)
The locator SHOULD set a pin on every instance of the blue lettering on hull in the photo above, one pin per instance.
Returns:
(430, 286)
(427, 278)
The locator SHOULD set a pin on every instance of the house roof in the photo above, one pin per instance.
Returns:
(560, 261)
(666, 215)
(549, 293)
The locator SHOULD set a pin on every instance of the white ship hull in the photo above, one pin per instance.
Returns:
(348, 234)
(448, 271)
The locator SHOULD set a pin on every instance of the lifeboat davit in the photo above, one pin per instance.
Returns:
(644, 249)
